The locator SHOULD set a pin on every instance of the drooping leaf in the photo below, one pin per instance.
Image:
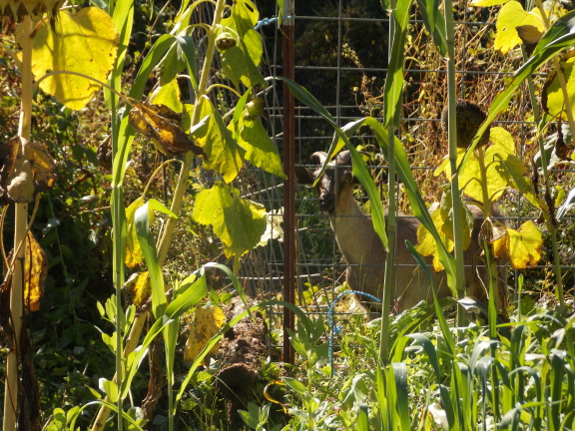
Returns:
(260, 150)
(438, 30)
(163, 126)
(26, 169)
(530, 36)
(207, 322)
(172, 64)
(138, 288)
(513, 15)
(86, 43)
(238, 223)
(223, 153)
(552, 98)
(522, 247)
(35, 272)
(169, 95)
(134, 254)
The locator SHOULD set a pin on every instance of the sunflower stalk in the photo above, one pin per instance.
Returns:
(21, 219)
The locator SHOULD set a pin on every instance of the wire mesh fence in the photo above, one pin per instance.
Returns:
(341, 58)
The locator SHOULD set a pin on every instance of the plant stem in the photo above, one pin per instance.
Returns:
(548, 222)
(168, 231)
(492, 267)
(452, 142)
(388, 282)
(21, 221)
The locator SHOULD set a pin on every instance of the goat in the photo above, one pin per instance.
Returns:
(362, 248)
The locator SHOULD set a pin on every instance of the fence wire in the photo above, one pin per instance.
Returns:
(341, 58)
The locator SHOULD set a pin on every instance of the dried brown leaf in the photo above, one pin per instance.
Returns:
(27, 169)
(164, 127)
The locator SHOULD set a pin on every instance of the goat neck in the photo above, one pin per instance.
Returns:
(354, 230)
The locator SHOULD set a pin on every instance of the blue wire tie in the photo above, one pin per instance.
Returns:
(268, 21)
(337, 329)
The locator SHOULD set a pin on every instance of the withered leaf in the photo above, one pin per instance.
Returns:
(164, 127)
(35, 272)
(138, 288)
(26, 169)
(530, 36)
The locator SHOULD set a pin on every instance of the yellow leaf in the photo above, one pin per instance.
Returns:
(552, 98)
(207, 323)
(134, 254)
(86, 43)
(522, 246)
(169, 95)
(503, 170)
(513, 15)
(426, 245)
(138, 288)
(35, 272)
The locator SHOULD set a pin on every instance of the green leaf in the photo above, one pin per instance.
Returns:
(510, 16)
(438, 30)
(109, 388)
(260, 150)
(238, 223)
(222, 152)
(172, 64)
(148, 245)
(86, 43)
(394, 80)
(169, 95)
(240, 62)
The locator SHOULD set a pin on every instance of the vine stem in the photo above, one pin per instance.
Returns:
(21, 221)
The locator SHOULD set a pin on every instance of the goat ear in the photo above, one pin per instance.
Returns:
(304, 176)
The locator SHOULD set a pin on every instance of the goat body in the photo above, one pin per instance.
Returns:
(364, 253)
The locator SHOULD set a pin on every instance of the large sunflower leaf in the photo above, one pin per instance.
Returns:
(522, 247)
(238, 223)
(513, 15)
(86, 43)
(222, 152)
